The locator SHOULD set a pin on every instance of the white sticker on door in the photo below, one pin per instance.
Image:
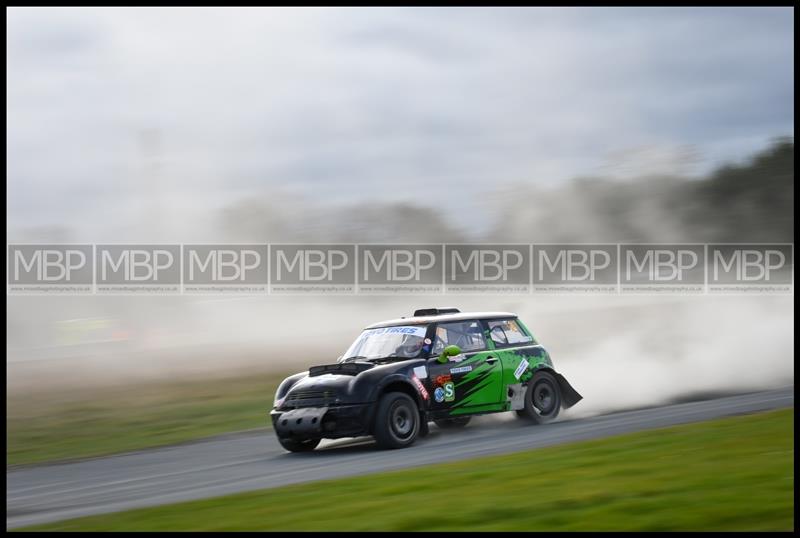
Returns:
(521, 368)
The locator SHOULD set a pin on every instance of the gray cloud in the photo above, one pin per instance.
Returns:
(352, 104)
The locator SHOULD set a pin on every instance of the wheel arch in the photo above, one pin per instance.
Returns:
(399, 385)
(538, 369)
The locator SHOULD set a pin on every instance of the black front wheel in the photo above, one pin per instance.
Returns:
(294, 445)
(542, 399)
(397, 421)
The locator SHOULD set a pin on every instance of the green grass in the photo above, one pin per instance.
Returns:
(52, 425)
(730, 474)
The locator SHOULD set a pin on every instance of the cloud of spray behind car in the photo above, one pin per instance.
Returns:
(620, 351)
(657, 348)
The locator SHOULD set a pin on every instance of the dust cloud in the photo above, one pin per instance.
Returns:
(618, 351)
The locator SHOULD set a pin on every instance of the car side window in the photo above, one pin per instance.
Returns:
(507, 332)
(468, 335)
(498, 335)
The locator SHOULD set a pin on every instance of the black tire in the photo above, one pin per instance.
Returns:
(293, 445)
(542, 399)
(397, 421)
(451, 423)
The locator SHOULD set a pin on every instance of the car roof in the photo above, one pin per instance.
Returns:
(422, 320)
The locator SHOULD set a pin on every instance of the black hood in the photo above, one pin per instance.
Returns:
(341, 368)
(343, 383)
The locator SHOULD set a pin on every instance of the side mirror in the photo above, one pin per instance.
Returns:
(449, 351)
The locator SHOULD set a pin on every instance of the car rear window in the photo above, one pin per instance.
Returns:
(507, 332)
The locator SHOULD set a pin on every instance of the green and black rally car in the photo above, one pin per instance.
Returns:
(440, 365)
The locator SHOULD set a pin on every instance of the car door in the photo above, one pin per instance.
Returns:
(467, 383)
(516, 349)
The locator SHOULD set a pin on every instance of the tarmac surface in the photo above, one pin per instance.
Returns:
(254, 460)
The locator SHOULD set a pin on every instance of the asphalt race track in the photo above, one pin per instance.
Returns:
(255, 460)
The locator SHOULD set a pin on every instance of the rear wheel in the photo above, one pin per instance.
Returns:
(450, 423)
(542, 399)
(294, 445)
(397, 421)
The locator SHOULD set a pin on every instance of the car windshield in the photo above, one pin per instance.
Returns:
(403, 342)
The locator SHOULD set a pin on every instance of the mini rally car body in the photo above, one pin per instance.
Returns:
(440, 365)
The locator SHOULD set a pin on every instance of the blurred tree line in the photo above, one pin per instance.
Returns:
(753, 201)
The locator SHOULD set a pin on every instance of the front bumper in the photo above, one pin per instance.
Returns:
(323, 422)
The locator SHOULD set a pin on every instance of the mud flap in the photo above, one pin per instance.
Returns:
(569, 396)
(424, 430)
(304, 422)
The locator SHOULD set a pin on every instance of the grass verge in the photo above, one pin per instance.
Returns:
(54, 425)
(729, 474)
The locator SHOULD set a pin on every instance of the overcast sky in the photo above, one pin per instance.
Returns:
(197, 108)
